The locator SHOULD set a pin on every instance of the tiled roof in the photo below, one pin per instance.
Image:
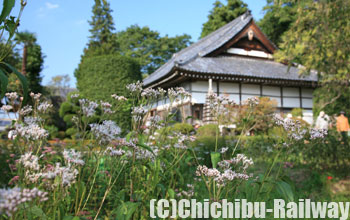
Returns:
(193, 58)
(242, 66)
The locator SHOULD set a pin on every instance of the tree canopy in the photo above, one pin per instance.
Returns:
(102, 28)
(222, 14)
(148, 47)
(277, 19)
(319, 39)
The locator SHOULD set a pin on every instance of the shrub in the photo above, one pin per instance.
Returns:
(72, 132)
(297, 112)
(205, 144)
(99, 77)
(207, 130)
(183, 128)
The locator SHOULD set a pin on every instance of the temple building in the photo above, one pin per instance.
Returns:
(236, 60)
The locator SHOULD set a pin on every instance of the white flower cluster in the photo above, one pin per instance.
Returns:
(221, 178)
(106, 108)
(25, 110)
(293, 127)
(251, 101)
(223, 150)
(114, 152)
(183, 140)
(318, 133)
(135, 87)
(189, 193)
(29, 161)
(6, 108)
(123, 143)
(35, 96)
(88, 107)
(44, 107)
(105, 132)
(150, 93)
(119, 98)
(227, 173)
(144, 154)
(73, 157)
(218, 104)
(241, 158)
(12, 96)
(138, 113)
(67, 175)
(10, 199)
(73, 96)
(178, 92)
(154, 122)
(30, 130)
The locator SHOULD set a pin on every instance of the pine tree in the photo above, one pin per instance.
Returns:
(102, 27)
(222, 14)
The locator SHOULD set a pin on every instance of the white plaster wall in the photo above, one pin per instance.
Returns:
(251, 89)
(226, 87)
(291, 102)
(278, 100)
(198, 98)
(307, 103)
(271, 91)
(290, 92)
(203, 86)
(307, 93)
(233, 97)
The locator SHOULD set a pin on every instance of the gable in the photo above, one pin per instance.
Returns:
(250, 39)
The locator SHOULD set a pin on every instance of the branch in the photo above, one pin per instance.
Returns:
(331, 101)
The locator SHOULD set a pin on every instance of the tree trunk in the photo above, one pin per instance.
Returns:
(24, 60)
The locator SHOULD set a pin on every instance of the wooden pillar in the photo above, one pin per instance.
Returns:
(240, 93)
(300, 98)
(217, 88)
(281, 88)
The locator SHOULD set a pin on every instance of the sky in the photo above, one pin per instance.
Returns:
(62, 27)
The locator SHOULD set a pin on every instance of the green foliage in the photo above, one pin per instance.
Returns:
(207, 130)
(53, 131)
(277, 19)
(331, 98)
(317, 38)
(72, 132)
(102, 27)
(148, 47)
(101, 76)
(222, 14)
(8, 26)
(183, 128)
(257, 118)
(297, 112)
(35, 64)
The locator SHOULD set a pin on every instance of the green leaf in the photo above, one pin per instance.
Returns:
(215, 158)
(144, 146)
(129, 135)
(71, 218)
(37, 212)
(4, 83)
(126, 210)
(23, 80)
(6, 9)
(285, 190)
(171, 193)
